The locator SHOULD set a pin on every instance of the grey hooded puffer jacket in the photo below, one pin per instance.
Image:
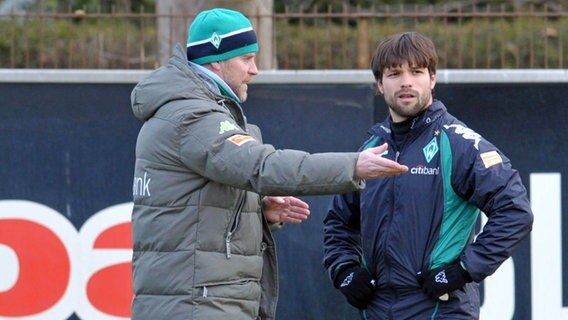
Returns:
(202, 248)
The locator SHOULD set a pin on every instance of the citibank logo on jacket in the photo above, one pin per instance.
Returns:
(425, 171)
(141, 186)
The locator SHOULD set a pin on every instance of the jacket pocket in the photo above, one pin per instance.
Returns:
(247, 289)
(234, 225)
(240, 299)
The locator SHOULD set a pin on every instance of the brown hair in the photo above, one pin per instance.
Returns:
(412, 47)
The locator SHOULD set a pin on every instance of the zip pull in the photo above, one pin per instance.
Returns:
(228, 245)
(263, 247)
(204, 292)
(396, 156)
(234, 225)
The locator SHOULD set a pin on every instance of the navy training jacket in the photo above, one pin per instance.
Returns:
(400, 226)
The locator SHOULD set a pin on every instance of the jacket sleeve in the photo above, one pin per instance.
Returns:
(214, 146)
(483, 175)
(342, 245)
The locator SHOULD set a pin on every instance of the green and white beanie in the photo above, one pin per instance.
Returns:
(219, 34)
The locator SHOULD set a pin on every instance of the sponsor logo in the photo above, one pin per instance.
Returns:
(85, 272)
(430, 150)
(226, 126)
(466, 133)
(240, 139)
(141, 186)
(425, 171)
(490, 158)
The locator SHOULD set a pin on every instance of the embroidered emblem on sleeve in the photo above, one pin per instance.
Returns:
(225, 126)
(491, 158)
(240, 139)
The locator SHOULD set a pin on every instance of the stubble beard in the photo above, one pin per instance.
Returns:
(243, 95)
(242, 92)
(409, 111)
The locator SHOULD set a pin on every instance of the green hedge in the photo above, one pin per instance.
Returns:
(522, 42)
(514, 43)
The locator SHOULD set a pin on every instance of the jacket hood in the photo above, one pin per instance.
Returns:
(174, 81)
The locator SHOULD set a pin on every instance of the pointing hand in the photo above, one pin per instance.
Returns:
(371, 164)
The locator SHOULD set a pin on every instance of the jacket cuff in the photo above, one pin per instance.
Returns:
(275, 226)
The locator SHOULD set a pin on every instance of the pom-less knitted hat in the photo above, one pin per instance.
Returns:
(219, 34)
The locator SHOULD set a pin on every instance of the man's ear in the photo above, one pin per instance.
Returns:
(215, 66)
(379, 85)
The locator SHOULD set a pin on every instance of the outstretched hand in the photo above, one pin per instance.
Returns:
(372, 165)
(285, 209)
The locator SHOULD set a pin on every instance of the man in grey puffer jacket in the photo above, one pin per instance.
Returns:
(206, 189)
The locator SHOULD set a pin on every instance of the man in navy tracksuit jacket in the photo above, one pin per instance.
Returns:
(403, 247)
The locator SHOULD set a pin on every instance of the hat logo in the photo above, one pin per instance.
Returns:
(215, 40)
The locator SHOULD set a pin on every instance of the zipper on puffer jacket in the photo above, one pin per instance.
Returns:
(234, 224)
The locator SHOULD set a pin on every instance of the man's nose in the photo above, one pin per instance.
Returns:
(253, 69)
(405, 81)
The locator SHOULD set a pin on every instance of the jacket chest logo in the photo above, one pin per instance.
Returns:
(430, 150)
(226, 126)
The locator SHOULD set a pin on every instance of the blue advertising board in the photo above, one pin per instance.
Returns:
(67, 157)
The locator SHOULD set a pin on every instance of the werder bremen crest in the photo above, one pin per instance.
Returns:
(430, 150)
(215, 40)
